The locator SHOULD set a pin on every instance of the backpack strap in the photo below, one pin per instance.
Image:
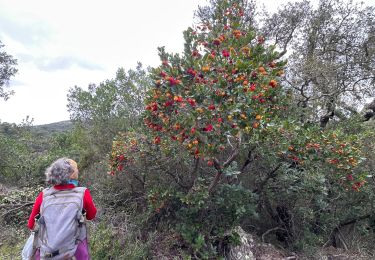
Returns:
(48, 191)
(52, 191)
(81, 191)
(80, 216)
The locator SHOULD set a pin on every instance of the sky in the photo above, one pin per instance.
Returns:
(62, 44)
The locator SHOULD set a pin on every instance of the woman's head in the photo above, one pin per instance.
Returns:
(61, 171)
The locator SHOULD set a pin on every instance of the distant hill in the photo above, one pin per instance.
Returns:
(52, 128)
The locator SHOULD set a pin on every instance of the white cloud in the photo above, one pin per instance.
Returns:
(27, 31)
(47, 63)
(60, 44)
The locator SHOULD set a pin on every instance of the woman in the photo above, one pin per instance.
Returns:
(63, 176)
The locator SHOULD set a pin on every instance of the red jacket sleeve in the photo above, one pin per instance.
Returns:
(35, 211)
(89, 205)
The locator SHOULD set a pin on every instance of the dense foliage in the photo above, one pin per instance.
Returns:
(223, 103)
(256, 124)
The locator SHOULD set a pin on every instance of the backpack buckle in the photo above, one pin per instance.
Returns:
(54, 253)
(41, 220)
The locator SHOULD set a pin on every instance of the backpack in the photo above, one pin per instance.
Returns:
(61, 223)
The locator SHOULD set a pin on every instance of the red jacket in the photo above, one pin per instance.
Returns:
(88, 204)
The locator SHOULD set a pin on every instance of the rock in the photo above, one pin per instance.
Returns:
(243, 251)
(252, 249)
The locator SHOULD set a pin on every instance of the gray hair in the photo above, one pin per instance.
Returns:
(59, 172)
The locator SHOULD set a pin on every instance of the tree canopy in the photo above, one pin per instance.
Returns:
(331, 56)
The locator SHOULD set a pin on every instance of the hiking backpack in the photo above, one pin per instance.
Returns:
(61, 223)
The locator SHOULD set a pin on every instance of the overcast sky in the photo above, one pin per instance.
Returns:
(60, 44)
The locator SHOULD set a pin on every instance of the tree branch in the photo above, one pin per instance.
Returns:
(194, 172)
(270, 175)
(218, 175)
(220, 168)
(177, 180)
(249, 159)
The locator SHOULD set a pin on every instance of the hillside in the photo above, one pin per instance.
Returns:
(52, 128)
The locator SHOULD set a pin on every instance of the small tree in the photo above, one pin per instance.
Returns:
(223, 91)
(221, 101)
(7, 70)
(112, 106)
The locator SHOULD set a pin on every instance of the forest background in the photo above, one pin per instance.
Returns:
(264, 125)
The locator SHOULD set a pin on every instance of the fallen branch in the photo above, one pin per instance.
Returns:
(336, 230)
(22, 205)
(352, 221)
(271, 230)
(15, 205)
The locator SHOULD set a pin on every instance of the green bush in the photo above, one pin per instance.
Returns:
(109, 242)
(204, 222)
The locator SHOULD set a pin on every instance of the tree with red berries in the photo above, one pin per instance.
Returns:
(223, 104)
(221, 92)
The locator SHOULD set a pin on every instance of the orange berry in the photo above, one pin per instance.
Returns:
(206, 68)
(273, 83)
